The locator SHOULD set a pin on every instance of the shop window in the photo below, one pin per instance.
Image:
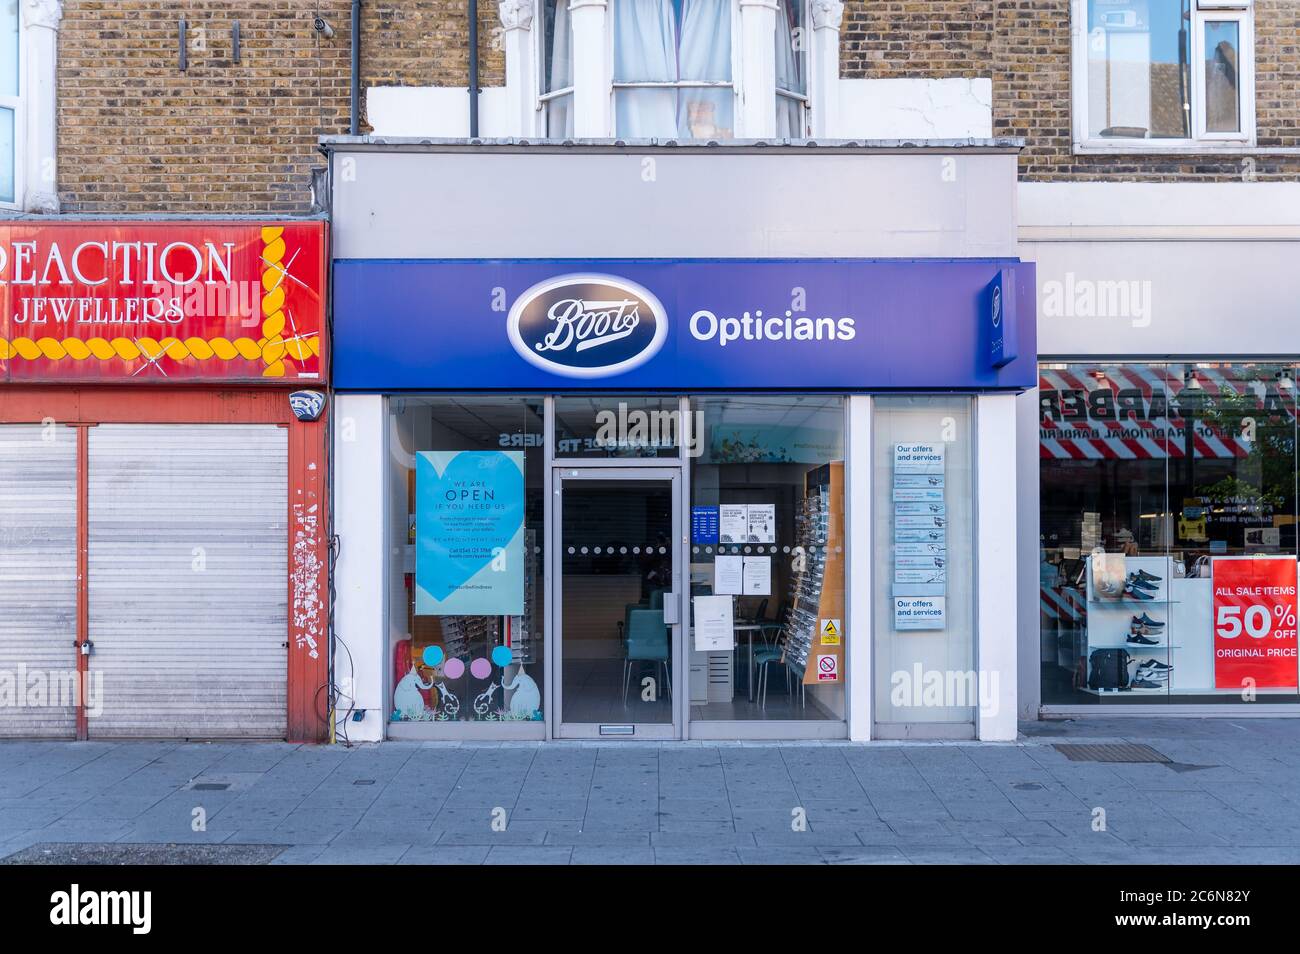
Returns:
(1168, 533)
(1165, 72)
(924, 556)
(465, 485)
(11, 105)
(767, 534)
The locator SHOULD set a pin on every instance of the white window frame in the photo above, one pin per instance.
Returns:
(804, 99)
(18, 105)
(1244, 19)
(536, 80)
(539, 79)
(1199, 142)
(735, 84)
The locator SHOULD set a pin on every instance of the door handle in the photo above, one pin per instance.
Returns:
(672, 610)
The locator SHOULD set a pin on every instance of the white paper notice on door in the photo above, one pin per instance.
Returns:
(758, 576)
(733, 523)
(713, 624)
(762, 523)
(728, 573)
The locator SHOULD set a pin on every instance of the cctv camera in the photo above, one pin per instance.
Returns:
(322, 26)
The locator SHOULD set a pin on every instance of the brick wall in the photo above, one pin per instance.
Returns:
(1024, 46)
(426, 43)
(138, 135)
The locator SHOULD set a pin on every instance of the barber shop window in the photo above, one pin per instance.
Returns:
(1167, 561)
(10, 103)
(1164, 72)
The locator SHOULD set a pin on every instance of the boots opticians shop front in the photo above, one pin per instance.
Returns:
(590, 488)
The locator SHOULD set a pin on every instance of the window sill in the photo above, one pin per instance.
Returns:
(1207, 148)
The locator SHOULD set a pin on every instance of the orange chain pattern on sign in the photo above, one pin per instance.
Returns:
(271, 348)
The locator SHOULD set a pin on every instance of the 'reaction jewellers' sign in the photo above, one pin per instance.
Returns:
(153, 302)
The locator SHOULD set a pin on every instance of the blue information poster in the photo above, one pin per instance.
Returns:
(704, 525)
(469, 533)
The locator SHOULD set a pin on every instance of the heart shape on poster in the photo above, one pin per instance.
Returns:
(470, 505)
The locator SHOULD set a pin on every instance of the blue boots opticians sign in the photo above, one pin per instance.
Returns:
(732, 324)
(587, 326)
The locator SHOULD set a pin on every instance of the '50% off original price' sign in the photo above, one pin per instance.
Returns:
(1255, 623)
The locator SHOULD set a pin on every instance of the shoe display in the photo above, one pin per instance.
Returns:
(1147, 621)
(1148, 577)
(1145, 630)
(1137, 639)
(1145, 684)
(1134, 580)
(1137, 593)
(1155, 665)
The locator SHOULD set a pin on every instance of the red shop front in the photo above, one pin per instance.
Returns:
(163, 519)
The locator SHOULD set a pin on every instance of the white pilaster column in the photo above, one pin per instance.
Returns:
(591, 70)
(521, 72)
(39, 44)
(860, 573)
(360, 470)
(758, 69)
(824, 86)
(996, 600)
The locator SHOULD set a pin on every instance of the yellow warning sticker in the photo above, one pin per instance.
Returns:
(830, 631)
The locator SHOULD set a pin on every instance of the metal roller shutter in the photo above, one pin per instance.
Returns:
(188, 579)
(38, 575)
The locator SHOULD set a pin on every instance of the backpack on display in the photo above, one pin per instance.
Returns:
(1108, 669)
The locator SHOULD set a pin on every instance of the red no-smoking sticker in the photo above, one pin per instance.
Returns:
(1255, 623)
(828, 668)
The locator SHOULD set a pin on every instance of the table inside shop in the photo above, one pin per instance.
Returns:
(749, 628)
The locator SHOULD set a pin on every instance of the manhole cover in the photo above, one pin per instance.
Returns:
(1110, 752)
(96, 853)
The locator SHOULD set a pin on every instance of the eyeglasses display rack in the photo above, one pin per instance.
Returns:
(813, 636)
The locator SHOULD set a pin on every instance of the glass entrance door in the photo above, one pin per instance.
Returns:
(617, 602)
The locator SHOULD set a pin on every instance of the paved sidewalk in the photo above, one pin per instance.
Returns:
(1231, 795)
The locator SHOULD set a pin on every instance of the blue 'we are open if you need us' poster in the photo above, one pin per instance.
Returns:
(469, 533)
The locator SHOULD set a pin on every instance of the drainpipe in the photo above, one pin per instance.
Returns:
(472, 6)
(354, 124)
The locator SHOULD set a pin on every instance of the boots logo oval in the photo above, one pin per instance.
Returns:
(587, 326)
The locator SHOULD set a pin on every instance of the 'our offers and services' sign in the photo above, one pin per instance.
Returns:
(679, 325)
(153, 302)
(920, 538)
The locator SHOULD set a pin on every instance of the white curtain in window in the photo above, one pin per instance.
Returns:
(789, 75)
(705, 55)
(559, 111)
(645, 50)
